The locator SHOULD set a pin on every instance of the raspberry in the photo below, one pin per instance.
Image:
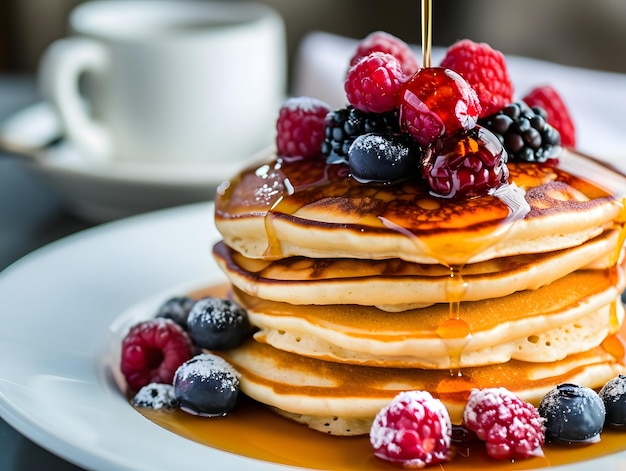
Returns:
(414, 430)
(510, 427)
(468, 164)
(436, 103)
(152, 351)
(380, 41)
(559, 117)
(373, 84)
(300, 127)
(485, 70)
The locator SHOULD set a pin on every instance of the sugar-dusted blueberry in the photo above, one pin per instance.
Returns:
(613, 394)
(383, 158)
(206, 385)
(156, 396)
(177, 309)
(572, 414)
(217, 324)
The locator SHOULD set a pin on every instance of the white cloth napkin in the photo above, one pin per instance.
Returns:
(596, 100)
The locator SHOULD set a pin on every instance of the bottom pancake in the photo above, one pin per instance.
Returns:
(343, 399)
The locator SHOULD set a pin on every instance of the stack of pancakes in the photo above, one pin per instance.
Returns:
(361, 291)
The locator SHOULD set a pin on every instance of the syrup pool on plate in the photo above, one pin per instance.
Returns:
(254, 431)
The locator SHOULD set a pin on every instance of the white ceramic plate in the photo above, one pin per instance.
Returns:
(63, 312)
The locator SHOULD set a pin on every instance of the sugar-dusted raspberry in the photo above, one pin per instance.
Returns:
(380, 41)
(510, 427)
(485, 70)
(414, 430)
(559, 116)
(300, 127)
(437, 102)
(152, 351)
(467, 164)
(373, 84)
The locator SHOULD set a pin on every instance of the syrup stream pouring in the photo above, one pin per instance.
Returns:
(427, 31)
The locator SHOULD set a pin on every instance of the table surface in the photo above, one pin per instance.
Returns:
(31, 215)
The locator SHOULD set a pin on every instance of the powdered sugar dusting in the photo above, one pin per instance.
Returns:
(304, 103)
(614, 390)
(209, 367)
(156, 396)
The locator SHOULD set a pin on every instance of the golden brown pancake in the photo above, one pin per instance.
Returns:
(396, 285)
(308, 208)
(315, 392)
(487, 331)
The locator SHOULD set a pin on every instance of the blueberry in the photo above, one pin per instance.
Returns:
(217, 324)
(573, 414)
(613, 394)
(206, 385)
(383, 158)
(177, 309)
(156, 396)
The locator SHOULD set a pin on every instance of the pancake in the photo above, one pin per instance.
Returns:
(312, 209)
(316, 392)
(488, 331)
(397, 285)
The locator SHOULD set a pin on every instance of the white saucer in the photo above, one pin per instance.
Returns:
(101, 192)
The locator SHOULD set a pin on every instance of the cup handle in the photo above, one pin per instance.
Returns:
(61, 67)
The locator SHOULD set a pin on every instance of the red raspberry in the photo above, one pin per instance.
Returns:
(414, 430)
(373, 84)
(380, 41)
(468, 164)
(437, 102)
(485, 70)
(559, 117)
(510, 427)
(300, 127)
(152, 351)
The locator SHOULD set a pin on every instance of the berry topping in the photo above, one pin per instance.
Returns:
(613, 394)
(156, 396)
(413, 430)
(468, 164)
(383, 157)
(300, 127)
(176, 309)
(437, 102)
(380, 41)
(573, 414)
(151, 352)
(344, 125)
(485, 70)
(206, 385)
(510, 427)
(217, 324)
(373, 84)
(558, 115)
(525, 133)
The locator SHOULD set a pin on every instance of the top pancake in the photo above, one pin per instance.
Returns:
(313, 209)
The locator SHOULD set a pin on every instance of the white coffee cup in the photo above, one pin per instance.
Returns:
(168, 81)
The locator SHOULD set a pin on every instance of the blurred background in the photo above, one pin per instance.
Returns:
(571, 32)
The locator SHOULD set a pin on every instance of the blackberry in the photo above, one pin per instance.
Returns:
(344, 125)
(524, 132)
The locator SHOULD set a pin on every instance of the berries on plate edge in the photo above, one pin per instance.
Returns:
(160, 363)
(387, 96)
